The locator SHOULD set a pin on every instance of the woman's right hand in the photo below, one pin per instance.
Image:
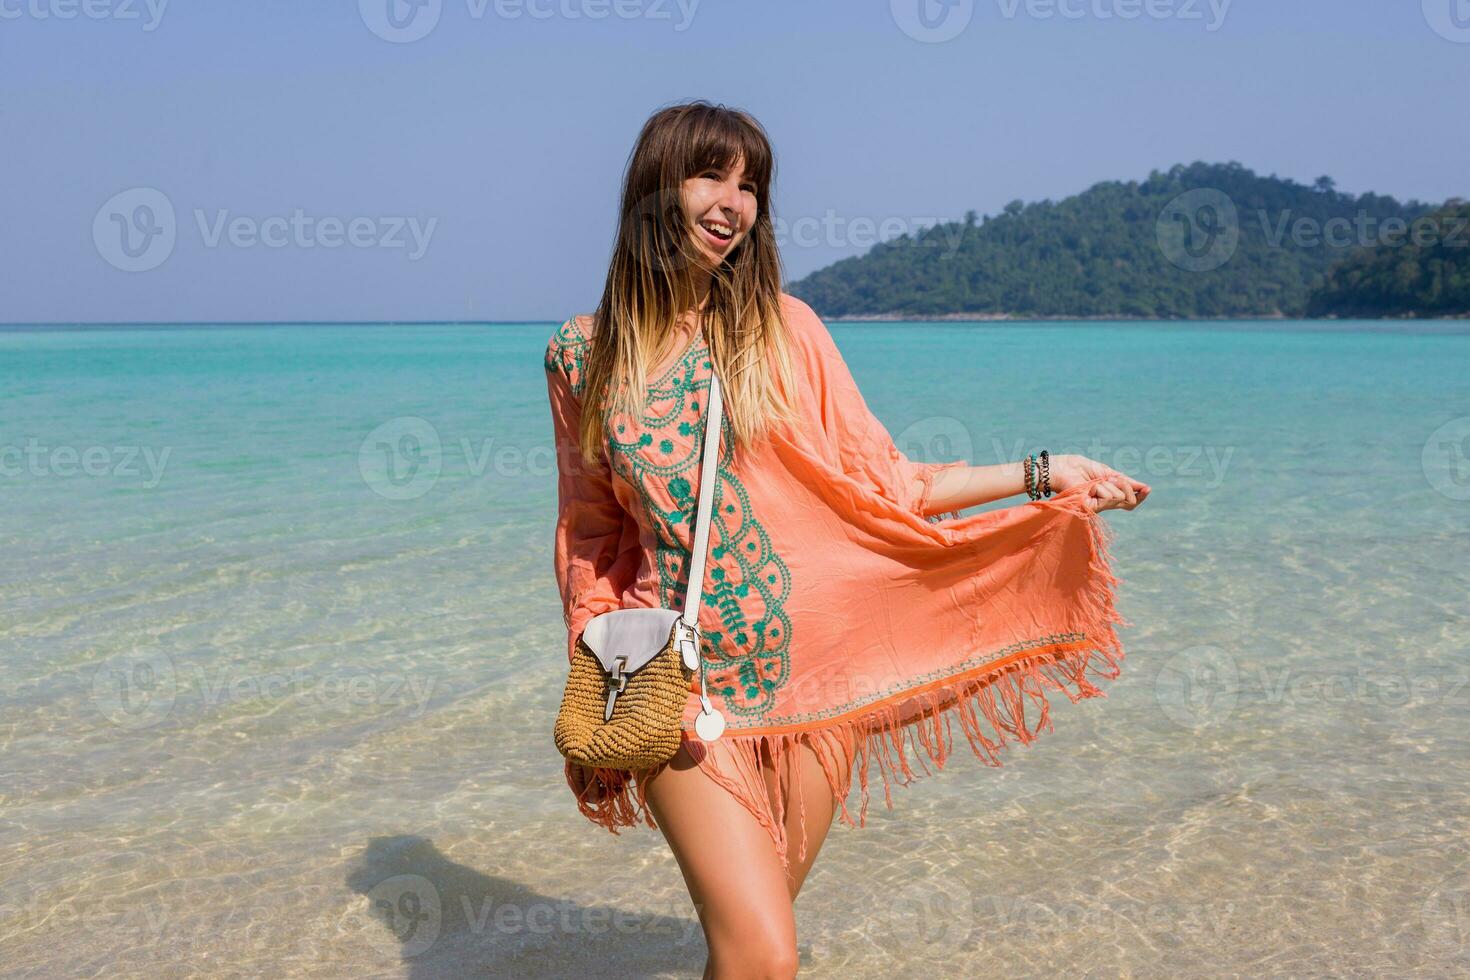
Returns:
(580, 778)
(1116, 490)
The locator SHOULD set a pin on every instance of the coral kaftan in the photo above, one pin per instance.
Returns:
(837, 610)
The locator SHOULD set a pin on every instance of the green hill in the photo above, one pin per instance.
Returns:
(1204, 240)
(1424, 272)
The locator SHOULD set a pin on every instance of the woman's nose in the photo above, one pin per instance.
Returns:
(730, 197)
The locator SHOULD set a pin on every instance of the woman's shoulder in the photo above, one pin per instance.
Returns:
(805, 328)
(566, 348)
(797, 313)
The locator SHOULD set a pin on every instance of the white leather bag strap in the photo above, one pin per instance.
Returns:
(708, 477)
(710, 723)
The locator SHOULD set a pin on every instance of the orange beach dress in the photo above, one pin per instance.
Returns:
(838, 609)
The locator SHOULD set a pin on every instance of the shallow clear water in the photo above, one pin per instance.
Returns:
(282, 649)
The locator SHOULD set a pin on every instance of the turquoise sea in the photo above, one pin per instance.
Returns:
(282, 647)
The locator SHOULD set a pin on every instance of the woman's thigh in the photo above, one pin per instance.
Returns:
(729, 864)
(815, 799)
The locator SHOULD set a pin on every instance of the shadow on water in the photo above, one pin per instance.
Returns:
(448, 920)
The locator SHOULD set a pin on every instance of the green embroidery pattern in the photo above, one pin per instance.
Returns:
(748, 658)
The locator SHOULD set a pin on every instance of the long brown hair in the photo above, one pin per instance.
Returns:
(651, 279)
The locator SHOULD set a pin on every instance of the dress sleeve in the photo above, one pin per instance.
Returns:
(596, 550)
(863, 444)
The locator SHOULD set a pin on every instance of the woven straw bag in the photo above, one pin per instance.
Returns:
(623, 707)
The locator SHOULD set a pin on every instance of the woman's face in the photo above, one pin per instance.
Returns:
(722, 206)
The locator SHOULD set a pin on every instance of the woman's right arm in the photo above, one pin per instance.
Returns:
(596, 551)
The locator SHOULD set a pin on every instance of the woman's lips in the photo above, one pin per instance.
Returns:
(715, 241)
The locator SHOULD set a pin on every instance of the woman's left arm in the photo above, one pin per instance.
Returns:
(958, 488)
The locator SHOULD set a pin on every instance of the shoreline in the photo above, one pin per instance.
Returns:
(1031, 318)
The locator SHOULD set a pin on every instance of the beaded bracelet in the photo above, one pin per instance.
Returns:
(1037, 486)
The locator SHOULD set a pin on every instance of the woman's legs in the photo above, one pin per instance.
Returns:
(743, 896)
(731, 869)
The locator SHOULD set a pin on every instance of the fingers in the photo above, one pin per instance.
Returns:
(1120, 492)
(1104, 496)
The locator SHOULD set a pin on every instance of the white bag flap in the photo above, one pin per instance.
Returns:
(636, 634)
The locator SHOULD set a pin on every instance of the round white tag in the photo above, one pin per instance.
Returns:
(710, 725)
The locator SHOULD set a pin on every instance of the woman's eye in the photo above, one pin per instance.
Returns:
(749, 187)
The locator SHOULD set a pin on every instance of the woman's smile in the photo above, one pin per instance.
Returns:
(717, 233)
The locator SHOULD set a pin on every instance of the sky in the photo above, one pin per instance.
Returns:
(427, 160)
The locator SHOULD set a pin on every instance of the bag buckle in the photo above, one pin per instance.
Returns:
(616, 679)
(688, 644)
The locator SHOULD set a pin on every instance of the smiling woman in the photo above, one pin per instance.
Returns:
(844, 620)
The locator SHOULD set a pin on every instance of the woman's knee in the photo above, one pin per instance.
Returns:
(771, 956)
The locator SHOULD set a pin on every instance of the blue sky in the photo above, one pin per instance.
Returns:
(324, 161)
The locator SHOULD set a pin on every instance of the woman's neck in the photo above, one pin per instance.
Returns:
(701, 292)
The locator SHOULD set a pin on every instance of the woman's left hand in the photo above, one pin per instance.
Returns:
(1117, 490)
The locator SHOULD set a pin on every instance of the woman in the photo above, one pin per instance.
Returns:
(848, 606)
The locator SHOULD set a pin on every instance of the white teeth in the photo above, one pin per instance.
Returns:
(715, 226)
